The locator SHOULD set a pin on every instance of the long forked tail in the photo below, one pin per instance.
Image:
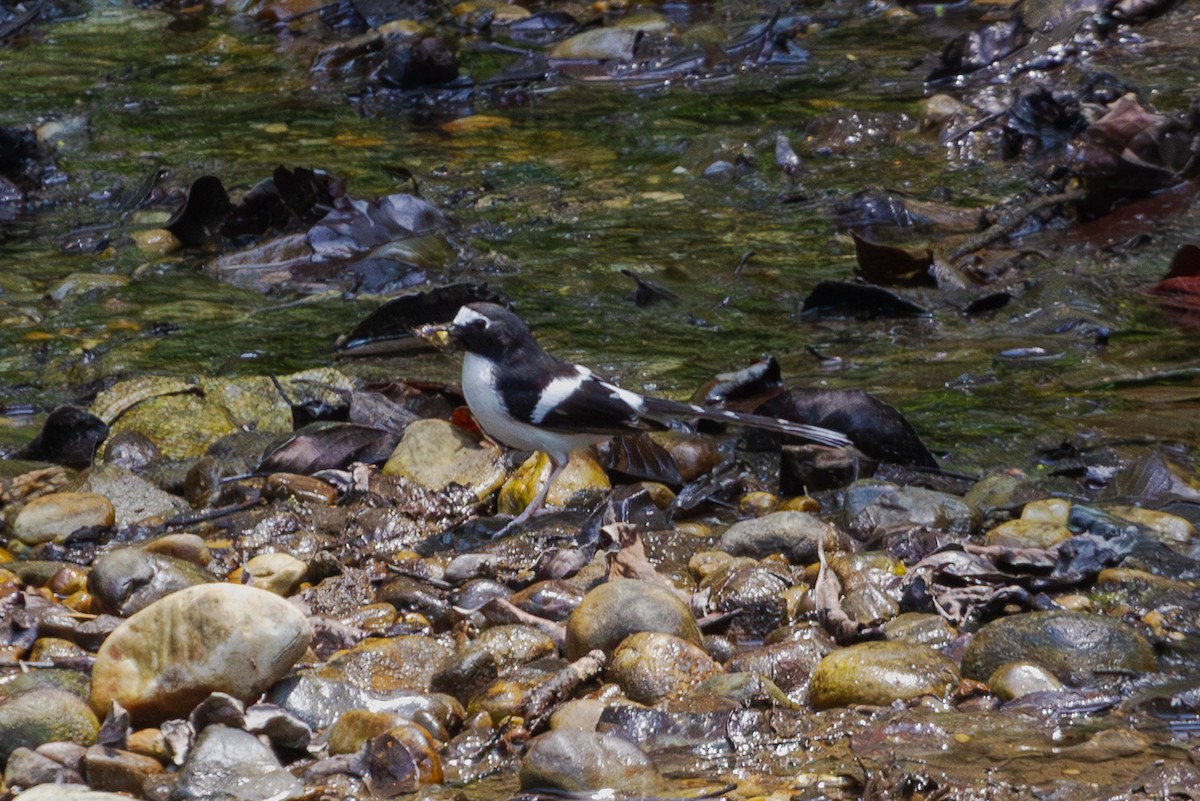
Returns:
(655, 408)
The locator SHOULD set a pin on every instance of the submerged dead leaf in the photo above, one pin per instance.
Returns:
(889, 265)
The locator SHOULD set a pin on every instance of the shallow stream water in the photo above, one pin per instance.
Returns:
(554, 198)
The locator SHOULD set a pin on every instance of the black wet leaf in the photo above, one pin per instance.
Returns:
(858, 301)
(876, 428)
(13, 24)
(355, 226)
(1131, 151)
(978, 49)
(203, 213)
(1046, 119)
(390, 327)
(1185, 263)
(377, 410)
(18, 151)
(70, 437)
(431, 61)
(392, 770)
(892, 266)
(376, 12)
(641, 458)
(1139, 10)
(327, 446)
(288, 200)
(542, 28)
(647, 293)
(753, 383)
(988, 303)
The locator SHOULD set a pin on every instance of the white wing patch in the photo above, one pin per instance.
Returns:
(557, 391)
(634, 400)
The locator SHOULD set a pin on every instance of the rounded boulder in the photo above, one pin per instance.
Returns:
(168, 657)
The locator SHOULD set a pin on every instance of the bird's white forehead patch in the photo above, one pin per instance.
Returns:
(467, 316)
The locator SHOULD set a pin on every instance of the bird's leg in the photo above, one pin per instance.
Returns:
(536, 504)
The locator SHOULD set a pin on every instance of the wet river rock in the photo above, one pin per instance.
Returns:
(581, 485)
(213, 638)
(321, 701)
(1078, 648)
(134, 498)
(43, 715)
(755, 594)
(651, 667)
(118, 770)
(793, 534)
(387, 664)
(878, 673)
(789, 663)
(1016, 679)
(879, 507)
(54, 517)
(496, 652)
(436, 454)
(612, 611)
(580, 761)
(127, 580)
(279, 573)
(233, 764)
(68, 792)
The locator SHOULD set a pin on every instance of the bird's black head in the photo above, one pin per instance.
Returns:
(490, 330)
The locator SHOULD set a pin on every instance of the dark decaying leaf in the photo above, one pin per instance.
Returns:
(1185, 262)
(876, 428)
(966, 582)
(114, 732)
(327, 446)
(639, 457)
(1131, 151)
(1152, 479)
(70, 437)
(355, 226)
(805, 469)
(19, 151)
(752, 385)
(203, 213)
(376, 12)
(390, 327)
(988, 303)
(1179, 292)
(1139, 10)
(18, 21)
(377, 410)
(543, 27)
(978, 49)
(892, 266)
(1134, 220)
(870, 209)
(1044, 118)
(858, 301)
(631, 503)
(428, 62)
(358, 245)
(647, 293)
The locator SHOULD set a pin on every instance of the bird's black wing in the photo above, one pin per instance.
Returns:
(576, 401)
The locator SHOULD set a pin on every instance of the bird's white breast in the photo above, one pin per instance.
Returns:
(486, 402)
